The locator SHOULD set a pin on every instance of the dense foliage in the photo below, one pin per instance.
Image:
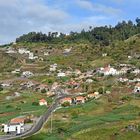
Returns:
(103, 35)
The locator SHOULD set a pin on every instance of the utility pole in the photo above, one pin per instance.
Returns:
(51, 121)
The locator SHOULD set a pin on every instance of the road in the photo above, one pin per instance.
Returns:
(39, 124)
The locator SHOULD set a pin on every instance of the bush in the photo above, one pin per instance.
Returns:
(74, 114)
(43, 91)
(9, 106)
(65, 104)
(1, 88)
(35, 103)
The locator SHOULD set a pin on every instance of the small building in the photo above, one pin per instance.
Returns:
(137, 88)
(91, 95)
(53, 67)
(23, 51)
(61, 74)
(42, 102)
(27, 74)
(16, 71)
(79, 99)
(20, 120)
(16, 125)
(136, 71)
(64, 100)
(108, 71)
(17, 128)
(89, 81)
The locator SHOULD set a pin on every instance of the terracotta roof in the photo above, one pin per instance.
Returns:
(17, 120)
(80, 98)
(91, 95)
(138, 85)
(42, 100)
(66, 99)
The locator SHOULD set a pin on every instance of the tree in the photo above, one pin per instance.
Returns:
(65, 104)
(138, 21)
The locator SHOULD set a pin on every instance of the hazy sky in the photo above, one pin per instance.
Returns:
(22, 16)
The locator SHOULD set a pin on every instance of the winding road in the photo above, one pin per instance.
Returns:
(38, 124)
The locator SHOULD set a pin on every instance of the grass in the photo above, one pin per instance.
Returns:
(91, 122)
(22, 106)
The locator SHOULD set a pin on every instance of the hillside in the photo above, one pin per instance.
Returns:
(114, 115)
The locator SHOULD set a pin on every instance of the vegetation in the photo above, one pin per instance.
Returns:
(103, 36)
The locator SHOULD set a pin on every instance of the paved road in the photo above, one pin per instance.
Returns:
(39, 124)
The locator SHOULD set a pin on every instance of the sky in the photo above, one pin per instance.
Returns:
(18, 17)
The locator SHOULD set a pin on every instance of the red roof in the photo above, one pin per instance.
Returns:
(66, 99)
(42, 100)
(138, 85)
(17, 120)
(80, 98)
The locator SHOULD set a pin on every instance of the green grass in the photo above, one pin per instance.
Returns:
(90, 124)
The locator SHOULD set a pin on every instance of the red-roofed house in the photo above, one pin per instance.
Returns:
(80, 99)
(137, 88)
(42, 102)
(18, 120)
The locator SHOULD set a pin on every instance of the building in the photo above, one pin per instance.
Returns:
(42, 102)
(79, 99)
(23, 51)
(61, 74)
(17, 128)
(53, 67)
(136, 71)
(137, 88)
(16, 125)
(20, 120)
(108, 71)
(27, 74)
(92, 95)
(16, 71)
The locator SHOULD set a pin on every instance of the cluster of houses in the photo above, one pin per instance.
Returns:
(124, 68)
(79, 99)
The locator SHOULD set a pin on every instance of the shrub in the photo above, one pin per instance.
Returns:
(65, 104)
(35, 103)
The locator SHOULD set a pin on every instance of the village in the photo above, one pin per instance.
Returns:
(35, 89)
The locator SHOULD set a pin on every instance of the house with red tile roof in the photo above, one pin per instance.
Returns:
(42, 102)
(91, 95)
(79, 99)
(137, 88)
(18, 120)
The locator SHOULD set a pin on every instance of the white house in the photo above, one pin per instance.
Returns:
(137, 88)
(66, 51)
(89, 81)
(23, 51)
(61, 74)
(108, 71)
(27, 74)
(46, 53)
(136, 71)
(42, 102)
(31, 56)
(10, 51)
(53, 67)
(17, 128)
(16, 71)
(6, 84)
